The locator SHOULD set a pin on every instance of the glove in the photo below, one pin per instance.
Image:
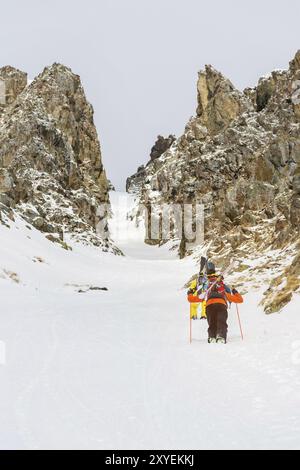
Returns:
(234, 291)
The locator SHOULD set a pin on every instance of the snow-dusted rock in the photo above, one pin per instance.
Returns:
(51, 169)
(219, 103)
(295, 63)
(240, 157)
(13, 82)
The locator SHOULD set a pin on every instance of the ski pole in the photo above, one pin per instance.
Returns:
(240, 324)
(191, 338)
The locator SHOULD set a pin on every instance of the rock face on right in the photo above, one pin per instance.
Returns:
(240, 158)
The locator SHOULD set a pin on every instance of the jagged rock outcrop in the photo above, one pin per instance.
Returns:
(295, 64)
(51, 169)
(284, 286)
(12, 83)
(219, 103)
(135, 181)
(240, 158)
(161, 145)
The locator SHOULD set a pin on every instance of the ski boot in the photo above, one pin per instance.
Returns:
(221, 340)
(212, 340)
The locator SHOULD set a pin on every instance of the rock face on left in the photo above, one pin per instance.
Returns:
(51, 168)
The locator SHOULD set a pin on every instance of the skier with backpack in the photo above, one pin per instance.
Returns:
(215, 296)
(195, 293)
(217, 299)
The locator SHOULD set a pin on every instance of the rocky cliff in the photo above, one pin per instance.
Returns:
(161, 145)
(13, 82)
(51, 170)
(240, 158)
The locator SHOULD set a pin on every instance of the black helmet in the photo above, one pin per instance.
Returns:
(211, 269)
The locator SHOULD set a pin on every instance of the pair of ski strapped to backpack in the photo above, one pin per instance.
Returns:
(208, 285)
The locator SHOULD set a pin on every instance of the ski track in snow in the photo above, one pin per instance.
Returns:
(115, 370)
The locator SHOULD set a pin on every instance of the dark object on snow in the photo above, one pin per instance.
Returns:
(103, 289)
(99, 288)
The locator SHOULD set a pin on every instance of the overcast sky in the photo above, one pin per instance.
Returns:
(139, 59)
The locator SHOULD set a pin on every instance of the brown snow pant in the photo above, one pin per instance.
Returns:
(217, 316)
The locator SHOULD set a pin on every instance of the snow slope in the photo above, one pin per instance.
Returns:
(114, 370)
